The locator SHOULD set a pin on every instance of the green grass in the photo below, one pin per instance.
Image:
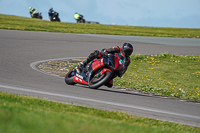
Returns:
(164, 74)
(29, 24)
(20, 114)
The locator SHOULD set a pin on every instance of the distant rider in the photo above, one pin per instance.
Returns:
(78, 17)
(33, 12)
(51, 13)
(126, 50)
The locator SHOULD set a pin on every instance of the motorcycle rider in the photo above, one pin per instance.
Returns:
(77, 17)
(33, 12)
(51, 13)
(126, 50)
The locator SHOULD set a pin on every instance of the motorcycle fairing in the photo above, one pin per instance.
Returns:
(119, 62)
(104, 70)
(98, 63)
(81, 78)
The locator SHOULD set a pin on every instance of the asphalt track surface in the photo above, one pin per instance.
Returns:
(20, 51)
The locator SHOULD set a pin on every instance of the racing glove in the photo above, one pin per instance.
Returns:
(104, 53)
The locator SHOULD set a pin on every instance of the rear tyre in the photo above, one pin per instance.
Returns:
(40, 17)
(95, 83)
(69, 78)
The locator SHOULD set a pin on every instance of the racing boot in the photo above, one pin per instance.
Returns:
(109, 84)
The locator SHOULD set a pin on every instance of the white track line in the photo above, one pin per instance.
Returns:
(99, 101)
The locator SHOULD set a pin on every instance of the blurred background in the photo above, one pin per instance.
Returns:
(151, 13)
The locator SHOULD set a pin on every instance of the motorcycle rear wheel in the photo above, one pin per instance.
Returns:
(95, 83)
(69, 78)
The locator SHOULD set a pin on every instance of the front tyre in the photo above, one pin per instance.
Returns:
(95, 82)
(69, 78)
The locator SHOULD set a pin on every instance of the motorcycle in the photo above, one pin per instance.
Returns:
(98, 72)
(81, 19)
(37, 15)
(55, 17)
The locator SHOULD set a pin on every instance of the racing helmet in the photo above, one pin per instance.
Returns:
(30, 8)
(127, 48)
(51, 9)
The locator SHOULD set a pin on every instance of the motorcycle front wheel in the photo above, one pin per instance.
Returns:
(69, 78)
(97, 80)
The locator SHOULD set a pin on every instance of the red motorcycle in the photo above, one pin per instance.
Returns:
(98, 72)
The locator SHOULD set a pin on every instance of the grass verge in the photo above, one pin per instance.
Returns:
(27, 114)
(164, 74)
(22, 23)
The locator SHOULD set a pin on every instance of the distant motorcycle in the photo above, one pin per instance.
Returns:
(98, 72)
(37, 15)
(81, 19)
(55, 17)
